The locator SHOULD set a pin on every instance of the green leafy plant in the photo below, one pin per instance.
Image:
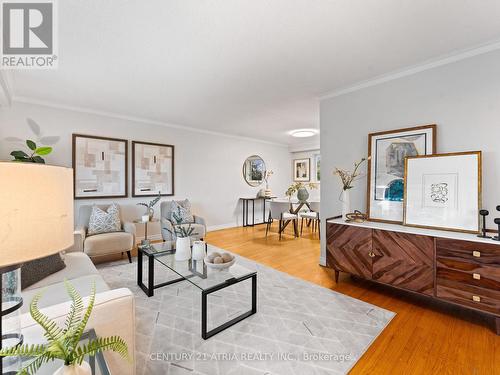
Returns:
(63, 343)
(36, 153)
(178, 230)
(149, 206)
(293, 188)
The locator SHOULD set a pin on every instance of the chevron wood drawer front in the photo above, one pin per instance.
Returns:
(348, 249)
(404, 260)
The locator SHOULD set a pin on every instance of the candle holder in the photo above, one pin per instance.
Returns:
(497, 222)
(484, 213)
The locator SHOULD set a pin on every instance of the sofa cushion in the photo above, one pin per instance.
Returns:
(104, 221)
(108, 243)
(38, 269)
(181, 212)
(77, 265)
(56, 293)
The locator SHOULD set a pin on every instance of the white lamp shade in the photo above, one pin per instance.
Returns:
(36, 211)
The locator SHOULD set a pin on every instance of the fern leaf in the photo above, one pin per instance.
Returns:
(83, 322)
(52, 330)
(25, 350)
(76, 310)
(114, 343)
(32, 367)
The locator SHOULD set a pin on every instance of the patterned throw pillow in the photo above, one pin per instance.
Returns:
(181, 212)
(104, 221)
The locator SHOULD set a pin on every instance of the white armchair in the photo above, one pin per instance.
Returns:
(105, 243)
(168, 227)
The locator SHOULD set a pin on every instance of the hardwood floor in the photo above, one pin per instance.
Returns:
(425, 337)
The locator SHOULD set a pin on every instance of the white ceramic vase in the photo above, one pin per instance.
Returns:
(199, 252)
(83, 369)
(183, 248)
(346, 203)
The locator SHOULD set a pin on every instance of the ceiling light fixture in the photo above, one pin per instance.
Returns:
(303, 133)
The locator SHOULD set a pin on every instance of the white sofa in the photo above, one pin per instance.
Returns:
(113, 313)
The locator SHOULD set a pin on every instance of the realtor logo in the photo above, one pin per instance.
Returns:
(28, 34)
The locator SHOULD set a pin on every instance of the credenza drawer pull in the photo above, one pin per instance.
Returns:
(476, 298)
(476, 254)
(371, 254)
(476, 276)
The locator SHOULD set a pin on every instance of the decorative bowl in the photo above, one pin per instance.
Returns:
(220, 266)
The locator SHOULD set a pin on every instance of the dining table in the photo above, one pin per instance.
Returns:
(295, 207)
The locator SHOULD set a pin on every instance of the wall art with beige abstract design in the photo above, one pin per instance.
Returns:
(99, 167)
(152, 169)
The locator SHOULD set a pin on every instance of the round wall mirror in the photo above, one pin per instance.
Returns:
(254, 170)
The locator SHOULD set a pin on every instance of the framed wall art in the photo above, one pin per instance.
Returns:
(152, 169)
(386, 165)
(99, 167)
(443, 191)
(302, 170)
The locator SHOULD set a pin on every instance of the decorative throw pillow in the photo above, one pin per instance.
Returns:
(38, 269)
(181, 212)
(104, 221)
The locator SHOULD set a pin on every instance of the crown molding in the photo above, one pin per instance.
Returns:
(5, 88)
(91, 111)
(430, 64)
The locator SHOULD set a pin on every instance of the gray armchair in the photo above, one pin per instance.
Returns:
(199, 225)
(104, 243)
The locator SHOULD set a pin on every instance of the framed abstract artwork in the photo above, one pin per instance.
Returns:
(99, 167)
(302, 170)
(443, 191)
(152, 169)
(386, 165)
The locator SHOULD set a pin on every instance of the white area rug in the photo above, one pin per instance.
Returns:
(300, 328)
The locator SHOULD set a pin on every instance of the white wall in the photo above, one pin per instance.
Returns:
(208, 167)
(462, 98)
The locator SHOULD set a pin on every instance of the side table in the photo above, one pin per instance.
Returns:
(145, 241)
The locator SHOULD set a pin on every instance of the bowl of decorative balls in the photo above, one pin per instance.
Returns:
(218, 261)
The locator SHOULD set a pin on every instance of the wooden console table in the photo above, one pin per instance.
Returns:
(456, 268)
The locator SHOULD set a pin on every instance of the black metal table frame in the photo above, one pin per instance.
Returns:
(149, 290)
(246, 211)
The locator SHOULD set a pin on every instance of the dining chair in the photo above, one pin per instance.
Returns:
(281, 211)
(312, 215)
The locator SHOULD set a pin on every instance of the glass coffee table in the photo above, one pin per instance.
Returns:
(207, 280)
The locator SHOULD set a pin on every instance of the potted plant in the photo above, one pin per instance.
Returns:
(347, 178)
(149, 207)
(64, 343)
(183, 237)
(35, 154)
(301, 190)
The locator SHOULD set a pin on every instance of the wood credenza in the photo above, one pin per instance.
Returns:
(457, 268)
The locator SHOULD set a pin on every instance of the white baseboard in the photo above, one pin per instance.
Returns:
(221, 226)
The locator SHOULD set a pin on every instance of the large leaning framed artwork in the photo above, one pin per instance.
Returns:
(152, 169)
(387, 152)
(99, 167)
(443, 191)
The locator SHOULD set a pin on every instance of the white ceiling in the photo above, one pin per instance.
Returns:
(253, 68)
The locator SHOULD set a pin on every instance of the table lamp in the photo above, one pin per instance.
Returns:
(36, 220)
